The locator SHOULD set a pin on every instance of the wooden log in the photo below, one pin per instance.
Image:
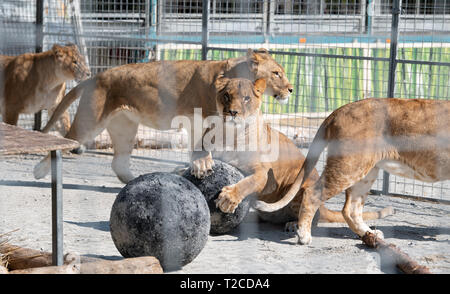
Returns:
(136, 265)
(25, 258)
(391, 252)
(63, 269)
(22, 258)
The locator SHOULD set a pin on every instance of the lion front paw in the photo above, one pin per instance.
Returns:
(304, 237)
(202, 167)
(379, 234)
(228, 199)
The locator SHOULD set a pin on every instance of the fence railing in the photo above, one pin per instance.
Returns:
(334, 52)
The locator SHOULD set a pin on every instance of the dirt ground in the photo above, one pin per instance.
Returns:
(421, 229)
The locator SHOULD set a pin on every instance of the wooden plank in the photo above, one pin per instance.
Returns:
(15, 140)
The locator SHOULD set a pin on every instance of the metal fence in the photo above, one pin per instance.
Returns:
(334, 52)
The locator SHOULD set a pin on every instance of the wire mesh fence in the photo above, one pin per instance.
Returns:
(333, 51)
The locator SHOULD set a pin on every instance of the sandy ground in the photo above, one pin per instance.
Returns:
(419, 228)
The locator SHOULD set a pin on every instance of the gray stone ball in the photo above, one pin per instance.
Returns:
(162, 215)
(211, 186)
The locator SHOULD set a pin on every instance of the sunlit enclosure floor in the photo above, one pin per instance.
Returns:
(420, 229)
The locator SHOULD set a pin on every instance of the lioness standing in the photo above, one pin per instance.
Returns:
(405, 137)
(153, 93)
(36, 81)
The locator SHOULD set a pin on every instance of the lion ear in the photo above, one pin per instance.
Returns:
(253, 60)
(72, 45)
(260, 86)
(221, 82)
(262, 51)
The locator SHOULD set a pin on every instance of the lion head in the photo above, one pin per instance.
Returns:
(71, 63)
(239, 99)
(262, 66)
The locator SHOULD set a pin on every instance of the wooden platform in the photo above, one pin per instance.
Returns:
(15, 140)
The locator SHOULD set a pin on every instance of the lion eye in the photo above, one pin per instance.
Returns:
(246, 98)
(277, 73)
(227, 97)
(75, 62)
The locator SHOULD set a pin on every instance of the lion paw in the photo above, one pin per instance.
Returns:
(304, 237)
(291, 227)
(377, 233)
(228, 199)
(202, 167)
(42, 168)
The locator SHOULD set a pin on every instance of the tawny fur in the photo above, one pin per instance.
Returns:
(268, 180)
(406, 137)
(36, 81)
(153, 93)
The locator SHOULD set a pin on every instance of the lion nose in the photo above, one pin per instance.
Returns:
(232, 113)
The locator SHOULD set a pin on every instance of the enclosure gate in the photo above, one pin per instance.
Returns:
(334, 52)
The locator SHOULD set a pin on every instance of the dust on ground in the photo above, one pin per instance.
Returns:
(420, 229)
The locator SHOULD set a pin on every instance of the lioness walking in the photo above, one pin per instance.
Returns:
(405, 137)
(36, 81)
(153, 93)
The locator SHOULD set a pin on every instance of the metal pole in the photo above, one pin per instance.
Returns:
(392, 68)
(78, 29)
(270, 17)
(147, 10)
(38, 49)
(57, 208)
(39, 23)
(205, 33)
(265, 19)
(393, 49)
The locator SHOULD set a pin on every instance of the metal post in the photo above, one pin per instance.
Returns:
(159, 17)
(78, 29)
(147, 25)
(369, 12)
(57, 208)
(392, 68)
(205, 33)
(265, 19)
(39, 23)
(270, 17)
(38, 49)
(393, 49)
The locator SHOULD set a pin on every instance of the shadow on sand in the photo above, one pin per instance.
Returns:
(65, 186)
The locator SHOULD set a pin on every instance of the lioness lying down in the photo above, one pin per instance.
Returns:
(153, 93)
(405, 137)
(266, 176)
(36, 81)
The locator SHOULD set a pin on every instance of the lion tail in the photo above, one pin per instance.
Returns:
(67, 100)
(332, 216)
(318, 145)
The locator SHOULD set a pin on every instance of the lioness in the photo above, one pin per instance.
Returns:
(35, 81)
(267, 177)
(405, 137)
(153, 93)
